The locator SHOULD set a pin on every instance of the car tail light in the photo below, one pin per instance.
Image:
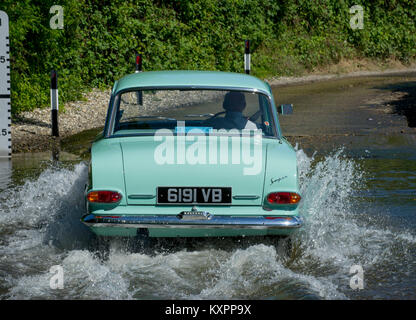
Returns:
(104, 196)
(283, 198)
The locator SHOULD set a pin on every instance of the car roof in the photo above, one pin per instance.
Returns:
(187, 78)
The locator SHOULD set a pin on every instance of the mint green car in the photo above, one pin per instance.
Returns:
(192, 154)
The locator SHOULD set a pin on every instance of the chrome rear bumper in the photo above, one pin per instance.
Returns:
(214, 222)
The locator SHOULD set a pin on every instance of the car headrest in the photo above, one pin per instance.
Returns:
(234, 101)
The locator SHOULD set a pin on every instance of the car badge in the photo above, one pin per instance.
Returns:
(277, 180)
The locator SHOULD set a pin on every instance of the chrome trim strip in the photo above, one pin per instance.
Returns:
(246, 197)
(171, 221)
(194, 88)
(108, 116)
(141, 196)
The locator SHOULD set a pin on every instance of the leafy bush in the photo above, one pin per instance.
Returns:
(100, 38)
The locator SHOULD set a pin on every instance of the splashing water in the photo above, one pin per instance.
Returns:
(40, 227)
(339, 234)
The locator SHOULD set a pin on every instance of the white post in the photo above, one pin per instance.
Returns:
(247, 56)
(5, 108)
(54, 103)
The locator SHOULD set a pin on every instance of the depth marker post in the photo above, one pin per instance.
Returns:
(247, 56)
(54, 103)
(139, 69)
(5, 108)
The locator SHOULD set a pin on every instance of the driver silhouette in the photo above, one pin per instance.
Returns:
(234, 104)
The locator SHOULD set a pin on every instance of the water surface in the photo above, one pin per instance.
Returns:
(358, 203)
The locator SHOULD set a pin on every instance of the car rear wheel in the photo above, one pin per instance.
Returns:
(284, 246)
(100, 247)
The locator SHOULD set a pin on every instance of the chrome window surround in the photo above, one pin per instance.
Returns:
(112, 109)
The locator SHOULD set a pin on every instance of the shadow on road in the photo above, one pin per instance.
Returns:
(18, 119)
(406, 105)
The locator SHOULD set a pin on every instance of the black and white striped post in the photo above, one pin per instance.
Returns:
(247, 56)
(139, 69)
(54, 103)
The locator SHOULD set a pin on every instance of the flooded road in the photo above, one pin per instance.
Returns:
(358, 182)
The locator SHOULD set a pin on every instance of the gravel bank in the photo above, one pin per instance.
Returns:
(32, 130)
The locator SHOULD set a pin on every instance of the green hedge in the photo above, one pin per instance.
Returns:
(100, 38)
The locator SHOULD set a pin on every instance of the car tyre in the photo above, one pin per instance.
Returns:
(284, 246)
(100, 246)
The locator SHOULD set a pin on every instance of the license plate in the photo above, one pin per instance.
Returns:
(194, 195)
